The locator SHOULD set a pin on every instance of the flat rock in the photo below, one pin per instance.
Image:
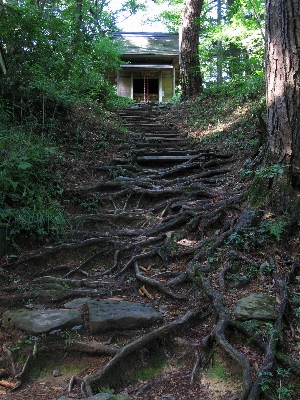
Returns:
(64, 398)
(77, 303)
(108, 315)
(100, 396)
(108, 396)
(256, 306)
(42, 321)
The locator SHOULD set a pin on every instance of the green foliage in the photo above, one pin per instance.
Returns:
(177, 97)
(23, 344)
(151, 371)
(218, 369)
(233, 41)
(57, 58)
(271, 171)
(239, 88)
(297, 312)
(260, 328)
(250, 237)
(266, 172)
(172, 14)
(115, 103)
(276, 228)
(91, 205)
(251, 325)
(28, 186)
(266, 380)
(114, 173)
(241, 271)
(275, 383)
(285, 392)
(269, 187)
(40, 220)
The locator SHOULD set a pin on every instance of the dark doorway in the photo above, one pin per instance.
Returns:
(145, 89)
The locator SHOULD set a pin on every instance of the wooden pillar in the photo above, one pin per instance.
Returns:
(160, 91)
(131, 84)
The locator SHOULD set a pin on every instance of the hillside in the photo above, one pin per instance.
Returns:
(172, 209)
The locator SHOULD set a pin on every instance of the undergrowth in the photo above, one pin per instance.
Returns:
(29, 185)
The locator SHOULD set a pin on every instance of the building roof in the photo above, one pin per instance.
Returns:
(155, 43)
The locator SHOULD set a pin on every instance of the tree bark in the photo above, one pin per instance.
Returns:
(220, 47)
(283, 83)
(191, 81)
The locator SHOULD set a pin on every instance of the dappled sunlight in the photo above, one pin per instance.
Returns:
(188, 243)
(221, 125)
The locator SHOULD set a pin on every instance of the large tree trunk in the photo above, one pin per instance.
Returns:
(191, 82)
(220, 46)
(283, 82)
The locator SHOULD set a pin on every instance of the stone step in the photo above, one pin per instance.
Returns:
(136, 115)
(144, 127)
(157, 138)
(158, 144)
(166, 152)
(153, 126)
(162, 159)
(147, 135)
(135, 112)
(136, 119)
(155, 132)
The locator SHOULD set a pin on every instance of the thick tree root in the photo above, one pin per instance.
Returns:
(160, 286)
(218, 334)
(97, 380)
(274, 340)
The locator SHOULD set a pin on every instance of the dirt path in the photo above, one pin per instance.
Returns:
(160, 228)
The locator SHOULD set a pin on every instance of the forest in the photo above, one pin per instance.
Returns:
(150, 251)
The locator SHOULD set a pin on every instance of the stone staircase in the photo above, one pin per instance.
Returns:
(155, 143)
(113, 276)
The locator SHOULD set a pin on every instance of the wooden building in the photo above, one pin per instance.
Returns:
(150, 69)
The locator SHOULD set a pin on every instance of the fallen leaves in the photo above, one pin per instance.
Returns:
(144, 292)
(7, 384)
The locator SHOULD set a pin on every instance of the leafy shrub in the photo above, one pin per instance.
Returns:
(276, 228)
(39, 221)
(28, 186)
(114, 102)
(114, 173)
(248, 238)
(239, 87)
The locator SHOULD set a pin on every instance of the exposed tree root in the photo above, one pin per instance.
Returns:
(180, 323)
(76, 283)
(160, 286)
(50, 250)
(219, 334)
(274, 340)
(82, 347)
(41, 293)
(22, 377)
(196, 366)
